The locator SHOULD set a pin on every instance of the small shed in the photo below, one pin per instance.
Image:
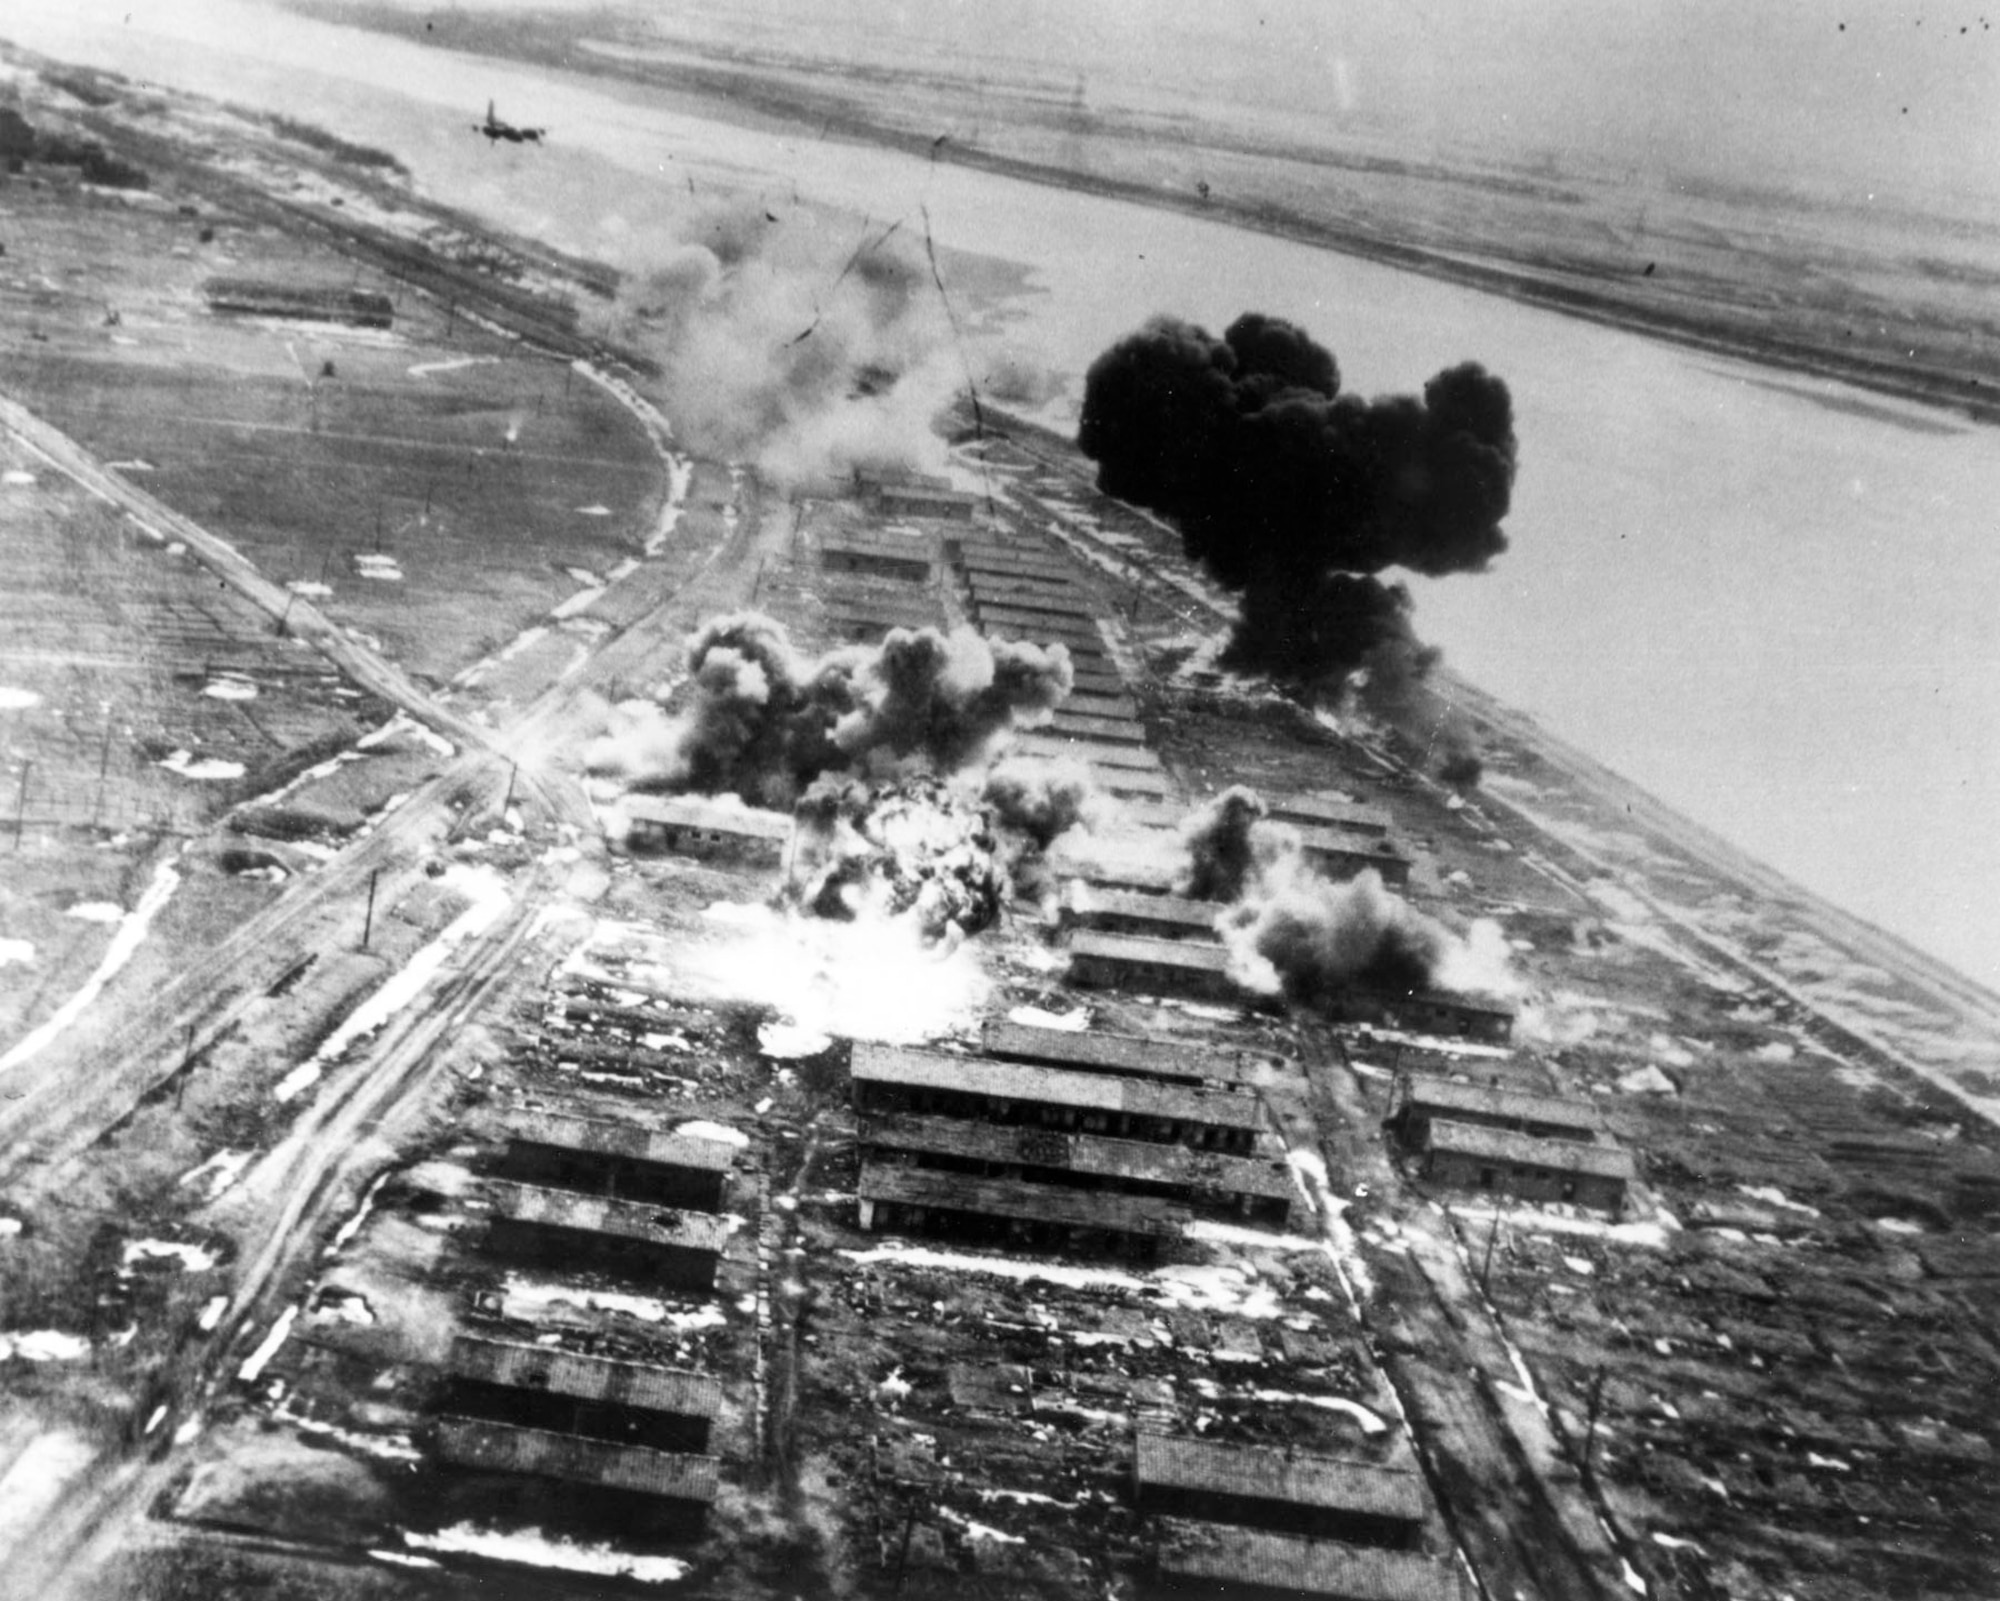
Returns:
(1501, 1162)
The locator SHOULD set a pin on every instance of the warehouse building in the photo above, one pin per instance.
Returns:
(873, 553)
(919, 495)
(1421, 1100)
(1088, 1051)
(1519, 1165)
(557, 1150)
(1071, 725)
(1256, 1187)
(1339, 854)
(1170, 967)
(1112, 911)
(690, 826)
(890, 1080)
(1290, 1492)
(1222, 1563)
(567, 1478)
(674, 1248)
(1015, 1214)
(1131, 757)
(539, 1387)
(1326, 811)
(1473, 1018)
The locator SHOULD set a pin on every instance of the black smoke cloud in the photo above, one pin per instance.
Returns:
(762, 722)
(1296, 495)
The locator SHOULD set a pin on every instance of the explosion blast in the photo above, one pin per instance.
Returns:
(764, 722)
(1295, 495)
(1291, 931)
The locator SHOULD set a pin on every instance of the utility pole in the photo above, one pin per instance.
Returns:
(1590, 1419)
(187, 1065)
(513, 769)
(368, 918)
(103, 767)
(1492, 1234)
(290, 596)
(21, 803)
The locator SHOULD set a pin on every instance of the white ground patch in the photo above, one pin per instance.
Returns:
(16, 951)
(254, 1363)
(229, 687)
(44, 1345)
(1034, 1017)
(193, 1258)
(531, 1548)
(96, 911)
(17, 700)
(310, 588)
(17, 478)
(531, 1301)
(35, 1481)
(219, 1173)
(131, 931)
(207, 769)
(593, 511)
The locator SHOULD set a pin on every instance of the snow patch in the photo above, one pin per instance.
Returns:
(207, 769)
(16, 950)
(255, 1362)
(17, 700)
(17, 477)
(700, 1128)
(193, 1258)
(96, 911)
(230, 687)
(531, 1548)
(1034, 1017)
(218, 1173)
(131, 931)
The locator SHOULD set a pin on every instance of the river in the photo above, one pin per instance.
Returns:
(1769, 600)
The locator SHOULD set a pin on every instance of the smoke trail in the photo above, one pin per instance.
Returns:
(763, 722)
(1294, 494)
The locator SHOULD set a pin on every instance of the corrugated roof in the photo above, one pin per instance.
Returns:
(594, 1214)
(1082, 703)
(1132, 949)
(1267, 1473)
(1137, 1161)
(691, 811)
(879, 542)
(1130, 758)
(1086, 900)
(1445, 1097)
(1318, 841)
(1219, 1553)
(505, 1448)
(1067, 724)
(568, 1132)
(588, 1378)
(1115, 1053)
(1007, 622)
(1524, 1150)
(1325, 811)
(1447, 1001)
(1051, 1086)
(1037, 1203)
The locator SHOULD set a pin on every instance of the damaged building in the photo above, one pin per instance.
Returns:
(562, 1392)
(660, 1244)
(558, 1150)
(1163, 966)
(691, 826)
(1223, 1563)
(572, 1479)
(874, 553)
(1525, 1168)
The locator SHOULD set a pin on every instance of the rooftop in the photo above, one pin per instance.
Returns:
(1318, 841)
(1219, 1553)
(691, 811)
(1014, 1198)
(1135, 1161)
(1268, 1473)
(1442, 1097)
(1051, 1086)
(1115, 1053)
(571, 1133)
(587, 1378)
(1083, 899)
(879, 542)
(1524, 1150)
(1130, 948)
(504, 1448)
(1329, 812)
(1132, 757)
(594, 1214)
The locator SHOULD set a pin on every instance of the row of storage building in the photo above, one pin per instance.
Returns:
(571, 1436)
(1509, 1142)
(1061, 1140)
